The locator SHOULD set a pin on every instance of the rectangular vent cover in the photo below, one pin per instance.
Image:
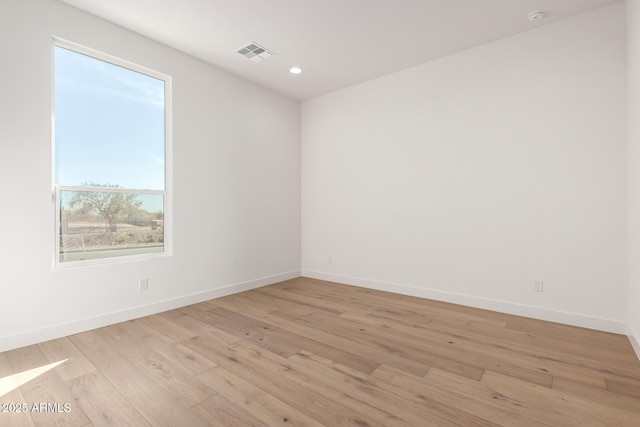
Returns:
(254, 52)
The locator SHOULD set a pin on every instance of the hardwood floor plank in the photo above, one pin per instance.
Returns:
(568, 332)
(392, 344)
(293, 322)
(214, 333)
(173, 331)
(503, 399)
(256, 331)
(218, 411)
(184, 387)
(12, 418)
(530, 364)
(256, 402)
(626, 386)
(278, 303)
(243, 305)
(458, 392)
(181, 318)
(155, 404)
(172, 376)
(308, 352)
(597, 356)
(76, 364)
(553, 401)
(532, 358)
(296, 341)
(102, 403)
(47, 388)
(339, 380)
(314, 303)
(359, 401)
(368, 300)
(450, 346)
(146, 342)
(321, 409)
(597, 395)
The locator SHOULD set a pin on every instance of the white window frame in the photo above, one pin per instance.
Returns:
(168, 162)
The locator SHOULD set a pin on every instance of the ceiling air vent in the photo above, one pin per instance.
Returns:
(254, 52)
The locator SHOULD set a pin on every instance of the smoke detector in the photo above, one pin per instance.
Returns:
(536, 16)
(254, 52)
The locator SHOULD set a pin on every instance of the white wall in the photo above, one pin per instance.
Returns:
(236, 184)
(633, 49)
(466, 178)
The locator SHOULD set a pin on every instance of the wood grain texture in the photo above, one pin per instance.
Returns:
(312, 353)
(91, 391)
(12, 418)
(48, 388)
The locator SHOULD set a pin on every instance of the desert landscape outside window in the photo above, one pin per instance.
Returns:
(111, 150)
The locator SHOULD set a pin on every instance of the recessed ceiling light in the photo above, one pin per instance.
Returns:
(295, 70)
(536, 15)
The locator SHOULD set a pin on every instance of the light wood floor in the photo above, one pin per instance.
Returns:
(307, 352)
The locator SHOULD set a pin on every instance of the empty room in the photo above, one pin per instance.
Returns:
(320, 213)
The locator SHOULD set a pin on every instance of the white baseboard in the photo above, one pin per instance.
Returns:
(635, 340)
(591, 322)
(10, 342)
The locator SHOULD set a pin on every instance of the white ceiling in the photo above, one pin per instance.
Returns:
(338, 43)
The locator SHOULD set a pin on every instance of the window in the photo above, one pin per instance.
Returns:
(111, 151)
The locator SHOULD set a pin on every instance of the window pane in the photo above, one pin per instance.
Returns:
(109, 124)
(96, 225)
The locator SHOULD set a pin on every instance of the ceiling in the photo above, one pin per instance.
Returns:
(338, 43)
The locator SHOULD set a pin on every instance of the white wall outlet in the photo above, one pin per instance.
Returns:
(538, 285)
(329, 259)
(143, 284)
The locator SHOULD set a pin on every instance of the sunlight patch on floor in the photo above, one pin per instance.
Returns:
(12, 382)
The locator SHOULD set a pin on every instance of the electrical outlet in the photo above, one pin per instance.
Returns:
(329, 259)
(143, 284)
(538, 286)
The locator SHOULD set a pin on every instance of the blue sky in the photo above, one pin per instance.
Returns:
(109, 124)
